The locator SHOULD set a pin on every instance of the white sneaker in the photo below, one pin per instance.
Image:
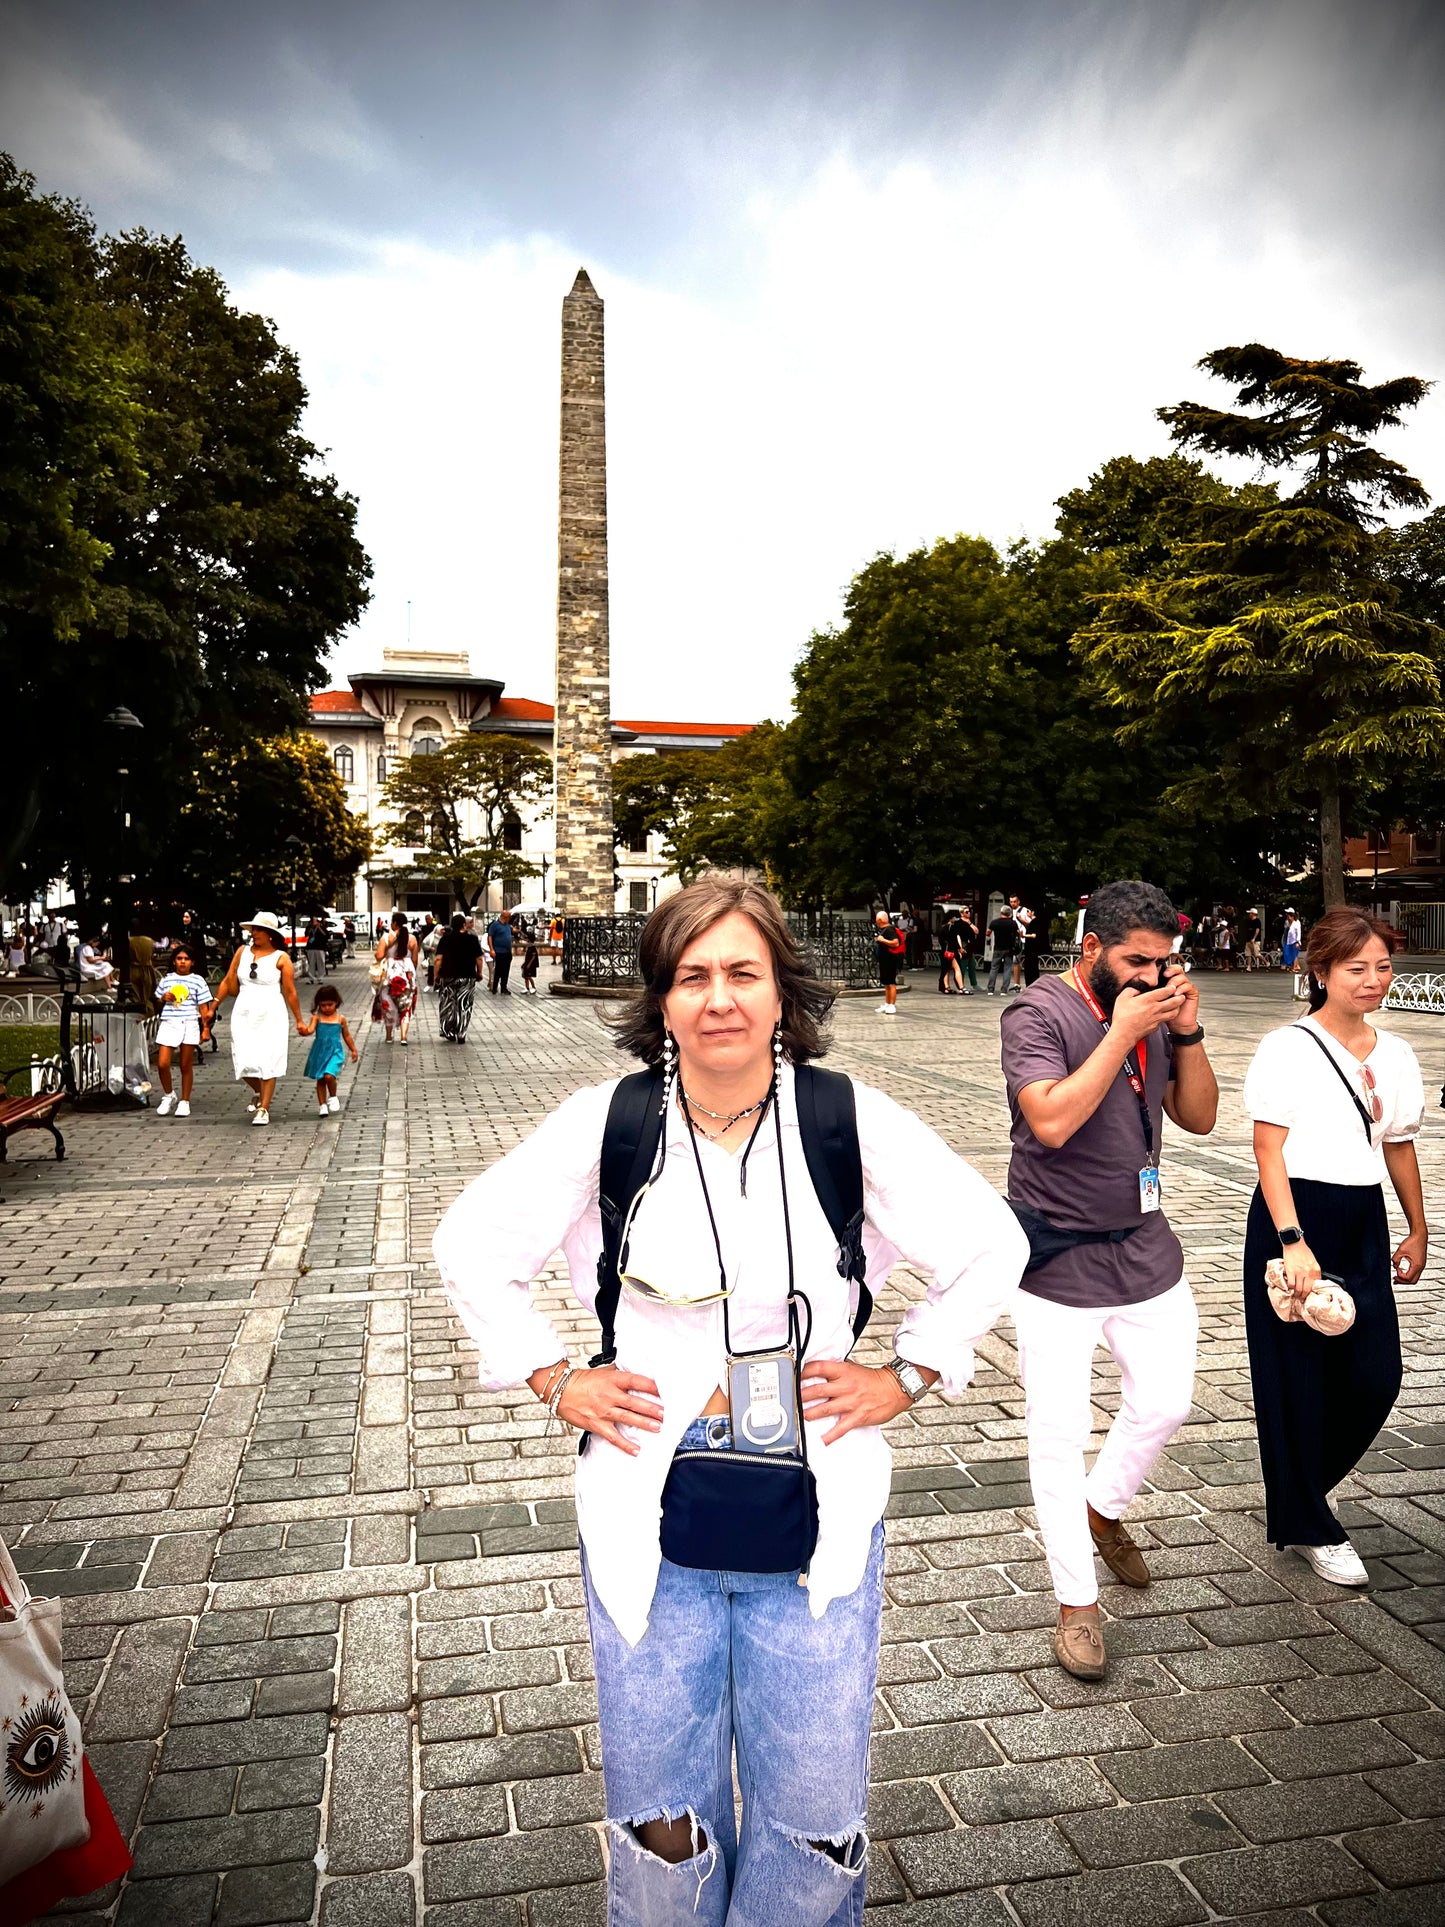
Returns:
(323, 1112)
(333, 1104)
(166, 1105)
(250, 1107)
(183, 1109)
(1340, 1564)
(405, 1040)
(883, 1009)
(261, 1117)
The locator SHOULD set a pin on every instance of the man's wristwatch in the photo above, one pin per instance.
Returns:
(1195, 1036)
(1290, 1234)
(909, 1377)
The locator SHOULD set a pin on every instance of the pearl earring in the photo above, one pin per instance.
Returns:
(778, 1044)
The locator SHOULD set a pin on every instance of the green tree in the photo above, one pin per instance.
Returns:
(203, 560)
(68, 439)
(1268, 633)
(502, 779)
(225, 850)
(714, 808)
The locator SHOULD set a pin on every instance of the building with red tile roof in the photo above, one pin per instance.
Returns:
(420, 699)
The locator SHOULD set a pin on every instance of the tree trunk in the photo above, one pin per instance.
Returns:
(1332, 849)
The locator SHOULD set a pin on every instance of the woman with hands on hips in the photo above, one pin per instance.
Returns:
(1336, 1106)
(722, 1270)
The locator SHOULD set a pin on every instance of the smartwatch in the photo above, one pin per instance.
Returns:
(909, 1377)
(1195, 1036)
(1290, 1234)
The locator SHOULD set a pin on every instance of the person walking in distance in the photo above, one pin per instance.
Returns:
(1005, 934)
(1092, 1060)
(332, 1040)
(1293, 936)
(458, 966)
(1337, 1105)
(263, 984)
(1251, 932)
(530, 962)
(395, 998)
(499, 947)
(187, 1007)
(888, 941)
(1026, 953)
(950, 963)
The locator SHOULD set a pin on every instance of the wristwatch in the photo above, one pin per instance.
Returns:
(909, 1377)
(1290, 1234)
(1195, 1036)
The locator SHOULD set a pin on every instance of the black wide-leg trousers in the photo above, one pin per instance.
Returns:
(1319, 1402)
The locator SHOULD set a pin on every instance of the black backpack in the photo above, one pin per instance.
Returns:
(829, 1127)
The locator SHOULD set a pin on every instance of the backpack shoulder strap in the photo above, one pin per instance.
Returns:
(629, 1150)
(828, 1124)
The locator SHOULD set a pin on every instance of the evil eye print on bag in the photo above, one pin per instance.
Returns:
(37, 1750)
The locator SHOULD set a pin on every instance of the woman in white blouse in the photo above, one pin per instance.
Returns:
(692, 1662)
(1336, 1107)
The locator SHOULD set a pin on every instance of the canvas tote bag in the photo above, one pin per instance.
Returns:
(42, 1793)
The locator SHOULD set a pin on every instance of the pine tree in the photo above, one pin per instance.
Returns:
(1268, 632)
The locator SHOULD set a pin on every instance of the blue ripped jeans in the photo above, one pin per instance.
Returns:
(736, 1659)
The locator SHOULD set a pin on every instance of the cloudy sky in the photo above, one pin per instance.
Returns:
(876, 271)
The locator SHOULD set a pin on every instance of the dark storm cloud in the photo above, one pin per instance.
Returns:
(299, 134)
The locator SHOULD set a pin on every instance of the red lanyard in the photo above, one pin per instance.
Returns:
(1135, 1073)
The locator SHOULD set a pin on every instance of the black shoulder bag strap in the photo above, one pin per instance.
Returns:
(828, 1124)
(1350, 1092)
(629, 1151)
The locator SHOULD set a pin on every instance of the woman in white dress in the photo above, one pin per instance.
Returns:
(261, 980)
(396, 989)
(1336, 1106)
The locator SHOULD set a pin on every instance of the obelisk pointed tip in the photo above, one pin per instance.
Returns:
(582, 286)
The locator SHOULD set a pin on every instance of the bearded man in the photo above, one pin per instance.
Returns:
(1091, 1060)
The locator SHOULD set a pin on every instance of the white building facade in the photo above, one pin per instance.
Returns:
(420, 700)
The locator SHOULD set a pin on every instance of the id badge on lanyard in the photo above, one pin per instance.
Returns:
(1150, 1186)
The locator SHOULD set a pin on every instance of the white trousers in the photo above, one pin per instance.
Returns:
(1154, 1346)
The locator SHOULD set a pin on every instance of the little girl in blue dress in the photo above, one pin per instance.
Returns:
(327, 1053)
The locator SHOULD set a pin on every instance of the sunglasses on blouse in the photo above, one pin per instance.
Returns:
(684, 1298)
(1367, 1077)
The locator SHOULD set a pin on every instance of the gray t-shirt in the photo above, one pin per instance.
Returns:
(1092, 1182)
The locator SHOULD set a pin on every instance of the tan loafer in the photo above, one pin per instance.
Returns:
(1079, 1645)
(1119, 1553)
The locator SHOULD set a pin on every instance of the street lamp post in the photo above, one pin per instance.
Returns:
(294, 847)
(124, 722)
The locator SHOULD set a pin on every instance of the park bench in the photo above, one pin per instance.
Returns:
(31, 1111)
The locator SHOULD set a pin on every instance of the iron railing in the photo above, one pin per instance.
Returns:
(1423, 926)
(601, 952)
(1416, 990)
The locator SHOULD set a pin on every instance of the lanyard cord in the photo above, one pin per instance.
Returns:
(795, 1332)
(1135, 1073)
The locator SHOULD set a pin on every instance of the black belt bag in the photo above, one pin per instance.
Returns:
(1048, 1241)
(739, 1512)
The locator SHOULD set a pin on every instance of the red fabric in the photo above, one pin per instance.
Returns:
(74, 1870)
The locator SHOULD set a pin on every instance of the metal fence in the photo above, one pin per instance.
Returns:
(601, 952)
(1423, 926)
(1416, 990)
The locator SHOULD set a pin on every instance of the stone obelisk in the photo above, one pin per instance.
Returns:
(584, 721)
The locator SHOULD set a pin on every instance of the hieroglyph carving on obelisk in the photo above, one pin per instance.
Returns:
(585, 853)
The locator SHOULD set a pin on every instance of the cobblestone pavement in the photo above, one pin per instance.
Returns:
(322, 1603)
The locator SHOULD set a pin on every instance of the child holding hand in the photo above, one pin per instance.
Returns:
(187, 1005)
(327, 1054)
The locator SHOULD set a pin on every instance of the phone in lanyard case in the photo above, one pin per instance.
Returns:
(762, 1398)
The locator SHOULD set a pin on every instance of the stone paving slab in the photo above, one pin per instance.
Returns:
(322, 1602)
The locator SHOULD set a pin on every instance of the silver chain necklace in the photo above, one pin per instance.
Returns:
(690, 1104)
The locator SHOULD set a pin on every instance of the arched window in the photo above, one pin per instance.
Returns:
(426, 737)
(381, 769)
(345, 762)
(414, 827)
(512, 833)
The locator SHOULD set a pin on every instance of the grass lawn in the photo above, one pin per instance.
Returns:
(20, 1042)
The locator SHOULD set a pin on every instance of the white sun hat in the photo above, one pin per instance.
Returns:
(264, 920)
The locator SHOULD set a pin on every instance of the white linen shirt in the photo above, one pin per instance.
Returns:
(1289, 1083)
(922, 1203)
